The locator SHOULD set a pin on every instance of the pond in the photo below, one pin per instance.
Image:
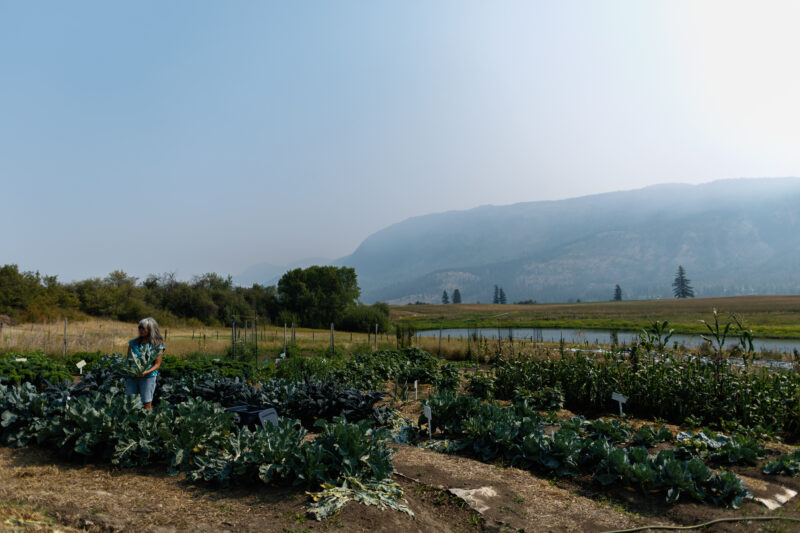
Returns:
(600, 337)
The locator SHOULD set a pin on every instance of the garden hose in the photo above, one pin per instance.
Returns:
(704, 524)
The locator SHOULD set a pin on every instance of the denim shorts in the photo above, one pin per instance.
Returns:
(144, 387)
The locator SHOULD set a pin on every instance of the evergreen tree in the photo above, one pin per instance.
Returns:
(496, 299)
(456, 296)
(502, 296)
(445, 299)
(617, 293)
(681, 287)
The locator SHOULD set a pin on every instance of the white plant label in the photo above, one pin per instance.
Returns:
(416, 395)
(80, 364)
(21, 360)
(619, 398)
(427, 410)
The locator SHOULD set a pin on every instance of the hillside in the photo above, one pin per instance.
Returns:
(732, 237)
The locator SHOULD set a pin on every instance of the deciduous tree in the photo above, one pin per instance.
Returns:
(318, 294)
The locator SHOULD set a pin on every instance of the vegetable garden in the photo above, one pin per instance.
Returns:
(342, 417)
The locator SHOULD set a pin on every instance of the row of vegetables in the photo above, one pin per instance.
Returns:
(364, 371)
(678, 389)
(608, 450)
(198, 437)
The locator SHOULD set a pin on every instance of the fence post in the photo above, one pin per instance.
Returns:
(440, 341)
(284, 339)
(255, 335)
(65, 336)
(376, 337)
(333, 349)
(233, 338)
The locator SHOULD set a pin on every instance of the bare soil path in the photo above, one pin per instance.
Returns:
(95, 498)
(41, 492)
(523, 501)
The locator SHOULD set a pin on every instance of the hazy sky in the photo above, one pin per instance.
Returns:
(197, 136)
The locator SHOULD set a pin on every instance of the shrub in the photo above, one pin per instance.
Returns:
(363, 318)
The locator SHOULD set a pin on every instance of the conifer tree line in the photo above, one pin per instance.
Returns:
(499, 295)
(456, 297)
(617, 293)
(312, 297)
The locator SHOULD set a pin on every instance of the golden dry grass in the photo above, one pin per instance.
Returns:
(108, 336)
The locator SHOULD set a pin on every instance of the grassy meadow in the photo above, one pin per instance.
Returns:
(768, 316)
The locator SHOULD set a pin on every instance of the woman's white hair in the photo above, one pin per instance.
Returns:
(151, 327)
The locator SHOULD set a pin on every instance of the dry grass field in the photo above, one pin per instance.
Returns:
(768, 316)
(109, 336)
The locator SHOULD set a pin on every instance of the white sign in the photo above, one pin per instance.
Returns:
(427, 411)
(21, 360)
(617, 397)
(80, 364)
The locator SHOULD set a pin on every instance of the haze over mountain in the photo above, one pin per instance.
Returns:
(268, 273)
(732, 237)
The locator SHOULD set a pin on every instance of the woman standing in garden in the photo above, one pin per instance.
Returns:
(149, 342)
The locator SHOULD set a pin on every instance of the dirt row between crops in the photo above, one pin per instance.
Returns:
(95, 498)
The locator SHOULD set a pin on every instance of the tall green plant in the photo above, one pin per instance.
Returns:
(718, 334)
(656, 336)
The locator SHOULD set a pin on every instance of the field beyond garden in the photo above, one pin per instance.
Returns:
(775, 316)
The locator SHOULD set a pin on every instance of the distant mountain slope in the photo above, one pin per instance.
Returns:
(732, 236)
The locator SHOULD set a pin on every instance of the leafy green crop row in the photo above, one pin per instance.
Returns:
(369, 371)
(672, 388)
(196, 437)
(365, 371)
(787, 464)
(580, 447)
(33, 367)
(307, 401)
(38, 368)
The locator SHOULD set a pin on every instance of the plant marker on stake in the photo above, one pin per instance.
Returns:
(619, 398)
(427, 410)
(80, 364)
(415, 389)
